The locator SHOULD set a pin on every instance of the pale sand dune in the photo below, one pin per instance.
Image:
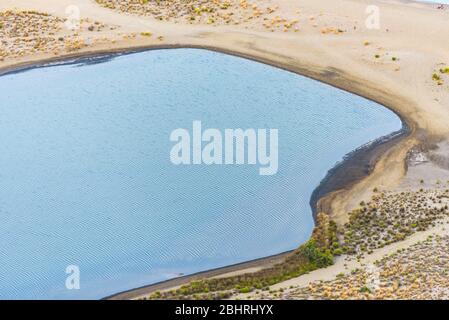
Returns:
(414, 33)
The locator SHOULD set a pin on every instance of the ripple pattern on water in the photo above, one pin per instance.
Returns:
(85, 176)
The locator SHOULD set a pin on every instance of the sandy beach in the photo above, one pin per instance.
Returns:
(396, 65)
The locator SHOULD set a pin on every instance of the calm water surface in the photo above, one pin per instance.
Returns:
(85, 176)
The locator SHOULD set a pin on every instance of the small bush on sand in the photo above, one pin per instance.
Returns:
(245, 290)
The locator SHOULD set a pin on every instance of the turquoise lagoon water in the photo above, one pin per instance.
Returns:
(85, 176)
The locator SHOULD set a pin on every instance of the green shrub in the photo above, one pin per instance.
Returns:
(365, 289)
(245, 290)
(338, 252)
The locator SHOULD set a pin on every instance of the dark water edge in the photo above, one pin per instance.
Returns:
(174, 282)
(355, 166)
